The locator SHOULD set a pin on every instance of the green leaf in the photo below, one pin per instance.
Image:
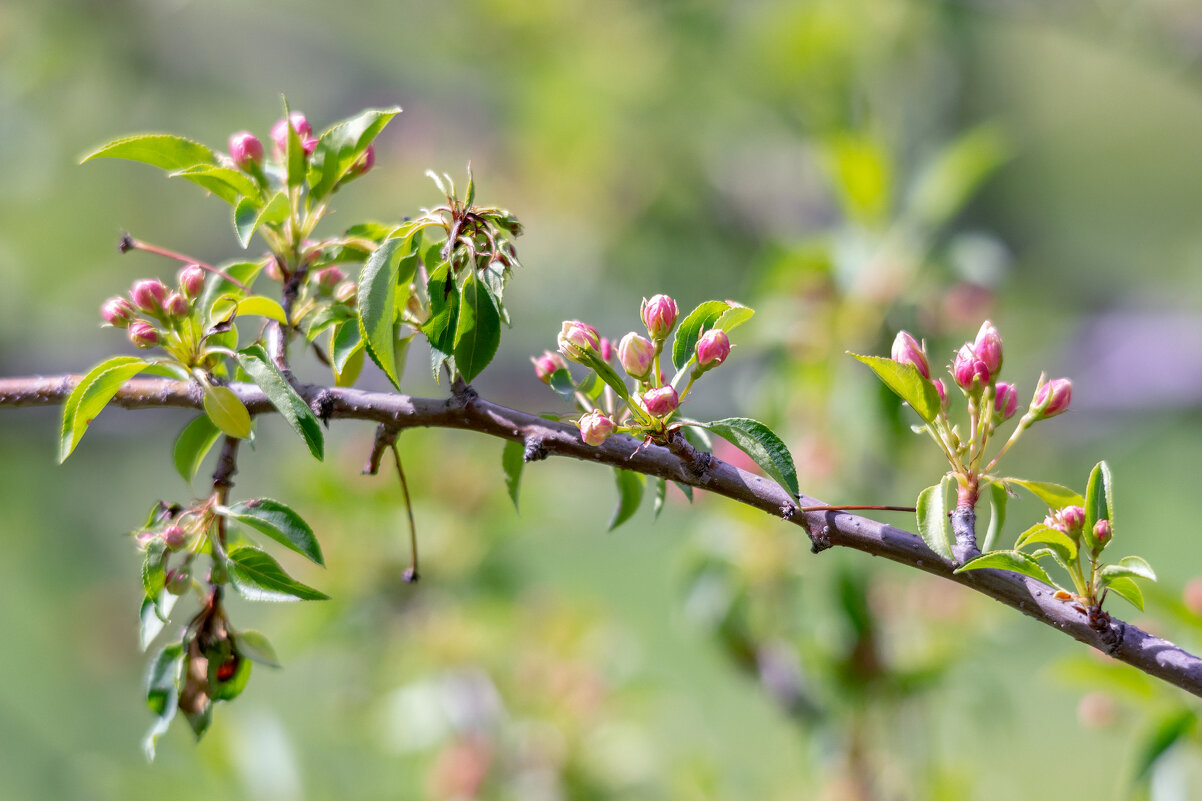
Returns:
(291, 406)
(227, 412)
(478, 332)
(686, 489)
(162, 694)
(91, 395)
(253, 306)
(158, 150)
(153, 617)
(1128, 590)
(630, 495)
(734, 317)
(378, 306)
(697, 322)
(225, 183)
(933, 524)
(1014, 561)
(1057, 540)
(907, 383)
(608, 375)
(1054, 495)
(444, 310)
(513, 459)
(258, 577)
(351, 368)
(192, 445)
(1129, 567)
(997, 514)
(764, 447)
(661, 491)
(1099, 500)
(561, 382)
(1166, 733)
(294, 152)
(950, 179)
(342, 145)
(249, 215)
(346, 352)
(255, 646)
(278, 521)
(217, 287)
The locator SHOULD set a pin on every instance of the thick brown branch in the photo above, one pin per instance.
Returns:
(1124, 642)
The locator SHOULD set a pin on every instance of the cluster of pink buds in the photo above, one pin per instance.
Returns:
(246, 151)
(151, 307)
(1069, 520)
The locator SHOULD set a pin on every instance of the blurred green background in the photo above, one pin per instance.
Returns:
(846, 167)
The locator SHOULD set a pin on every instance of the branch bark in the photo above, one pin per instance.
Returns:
(464, 410)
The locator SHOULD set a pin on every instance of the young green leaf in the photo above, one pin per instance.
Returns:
(478, 332)
(1014, 561)
(225, 183)
(254, 645)
(153, 617)
(258, 577)
(1056, 539)
(561, 382)
(158, 150)
(250, 215)
(91, 395)
(339, 148)
(696, 323)
(1129, 567)
(278, 521)
(1128, 590)
(294, 151)
(192, 444)
(378, 305)
(291, 406)
(253, 306)
(1099, 497)
(162, 694)
(513, 459)
(734, 317)
(1054, 495)
(764, 447)
(630, 495)
(933, 524)
(997, 514)
(217, 287)
(346, 353)
(907, 383)
(440, 328)
(227, 412)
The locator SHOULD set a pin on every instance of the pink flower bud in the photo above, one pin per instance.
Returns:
(148, 295)
(577, 340)
(595, 427)
(365, 162)
(988, 347)
(1102, 532)
(117, 312)
(246, 150)
(192, 280)
(279, 131)
(906, 350)
(546, 365)
(328, 277)
(636, 355)
(659, 315)
(346, 292)
(176, 305)
(1053, 397)
(174, 537)
(1073, 517)
(941, 388)
(606, 350)
(661, 401)
(712, 348)
(967, 369)
(1005, 401)
(309, 145)
(143, 334)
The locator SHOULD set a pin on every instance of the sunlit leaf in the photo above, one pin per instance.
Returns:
(278, 521)
(1014, 561)
(192, 444)
(1054, 495)
(690, 329)
(378, 305)
(258, 577)
(227, 412)
(933, 524)
(91, 395)
(291, 406)
(763, 446)
(158, 150)
(907, 383)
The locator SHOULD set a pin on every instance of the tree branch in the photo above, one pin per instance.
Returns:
(464, 410)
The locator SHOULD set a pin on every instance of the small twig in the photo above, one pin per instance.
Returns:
(128, 243)
(385, 436)
(411, 575)
(856, 508)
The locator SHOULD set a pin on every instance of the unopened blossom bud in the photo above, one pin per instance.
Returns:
(659, 315)
(192, 280)
(906, 350)
(1073, 517)
(176, 305)
(595, 427)
(309, 145)
(143, 334)
(941, 388)
(661, 401)
(577, 340)
(967, 369)
(246, 150)
(117, 312)
(1102, 531)
(346, 292)
(988, 347)
(636, 355)
(606, 350)
(365, 162)
(1053, 398)
(328, 277)
(1005, 401)
(148, 295)
(174, 537)
(279, 131)
(712, 348)
(547, 365)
